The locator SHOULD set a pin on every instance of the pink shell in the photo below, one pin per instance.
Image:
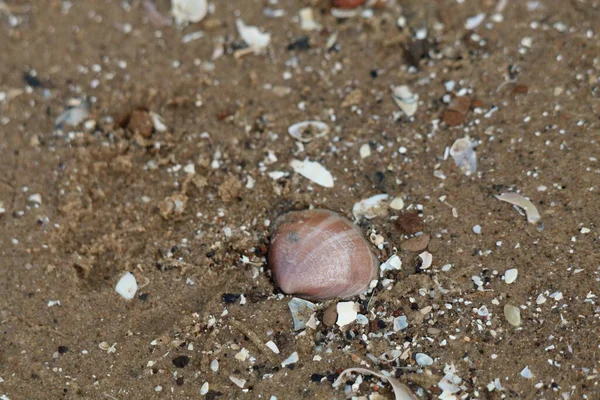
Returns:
(318, 254)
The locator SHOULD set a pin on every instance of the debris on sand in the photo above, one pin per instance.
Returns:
(401, 391)
(252, 36)
(522, 202)
(464, 156)
(185, 11)
(307, 131)
(77, 111)
(405, 99)
(127, 286)
(372, 207)
(313, 171)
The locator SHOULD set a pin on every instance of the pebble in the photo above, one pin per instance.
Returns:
(409, 223)
(416, 244)
(330, 315)
(397, 203)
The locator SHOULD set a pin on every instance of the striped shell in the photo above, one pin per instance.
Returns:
(318, 254)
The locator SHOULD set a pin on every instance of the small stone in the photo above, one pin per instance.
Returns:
(230, 298)
(477, 229)
(204, 389)
(353, 98)
(365, 150)
(409, 223)
(416, 244)
(453, 118)
(512, 314)
(511, 275)
(181, 361)
(460, 104)
(330, 315)
(35, 199)
(140, 122)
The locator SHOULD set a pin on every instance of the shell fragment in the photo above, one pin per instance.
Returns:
(313, 171)
(307, 131)
(405, 99)
(516, 199)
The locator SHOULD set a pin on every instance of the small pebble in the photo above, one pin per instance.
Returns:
(512, 314)
(416, 244)
(330, 315)
(423, 359)
(511, 275)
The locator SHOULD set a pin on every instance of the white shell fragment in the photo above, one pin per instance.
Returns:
(313, 171)
(307, 20)
(405, 99)
(347, 312)
(302, 310)
(204, 389)
(75, 115)
(253, 37)
(392, 263)
(511, 275)
(365, 150)
(426, 259)
(474, 22)
(464, 156)
(374, 206)
(423, 359)
(238, 381)
(401, 391)
(189, 10)
(292, 359)
(307, 131)
(516, 199)
(512, 314)
(526, 373)
(397, 203)
(127, 286)
(272, 346)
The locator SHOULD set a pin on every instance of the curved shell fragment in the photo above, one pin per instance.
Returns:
(307, 131)
(520, 201)
(313, 171)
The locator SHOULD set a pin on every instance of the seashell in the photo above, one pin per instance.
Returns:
(306, 131)
(318, 254)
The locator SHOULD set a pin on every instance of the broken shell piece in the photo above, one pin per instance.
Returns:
(74, 115)
(127, 286)
(511, 275)
(397, 203)
(301, 311)
(238, 381)
(365, 150)
(189, 10)
(512, 314)
(307, 20)
(253, 37)
(426, 259)
(401, 391)
(516, 199)
(313, 171)
(292, 359)
(347, 312)
(392, 263)
(374, 206)
(307, 131)
(405, 99)
(464, 156)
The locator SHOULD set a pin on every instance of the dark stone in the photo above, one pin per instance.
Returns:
(181, 361)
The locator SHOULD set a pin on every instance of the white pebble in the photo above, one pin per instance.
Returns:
(204, 389)
(477, 229)
(526, 373)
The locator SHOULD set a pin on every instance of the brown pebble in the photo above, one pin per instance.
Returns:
(460, 104)
(453, 118)
(409, 223)
(347, 3)
(415, 244)
(521, 89)
(330, 315)
(434, 245)
(140, 122)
